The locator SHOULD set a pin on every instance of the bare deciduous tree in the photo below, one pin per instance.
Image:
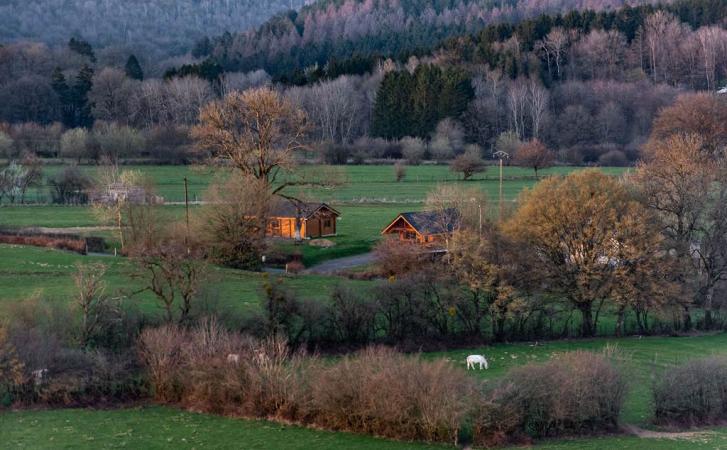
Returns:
(258, 132)
(534, 154)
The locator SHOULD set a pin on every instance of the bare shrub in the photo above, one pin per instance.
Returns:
(382, 392)
(576, 393)
(194, 368)
(395, 258)
(60, 243)
(694, 393)
(399, 171)
(70, 186)
(161, 351)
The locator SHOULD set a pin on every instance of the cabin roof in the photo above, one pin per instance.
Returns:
(429, 222)
(289, 208)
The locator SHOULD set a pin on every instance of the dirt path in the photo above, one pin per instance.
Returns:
(340, 264)
(649, 434)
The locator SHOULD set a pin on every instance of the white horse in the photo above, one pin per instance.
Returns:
(477, 359)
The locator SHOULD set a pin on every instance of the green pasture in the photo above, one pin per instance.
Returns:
(358, 227)
(359, 184)
(32, 271)
(641, 359)
(368, 198)
(159, 427)
(167, 428)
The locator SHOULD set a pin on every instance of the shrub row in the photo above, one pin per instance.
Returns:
(377, 390)
(694, 393)
(60, 243)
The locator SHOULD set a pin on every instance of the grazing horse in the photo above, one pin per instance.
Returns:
(39, 376)
(477, 359)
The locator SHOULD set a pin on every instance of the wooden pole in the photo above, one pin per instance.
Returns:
(186, 201)
(500, 188)
(186, 211)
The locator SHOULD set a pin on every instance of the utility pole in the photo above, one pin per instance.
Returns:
(186, 208)
(502, 155)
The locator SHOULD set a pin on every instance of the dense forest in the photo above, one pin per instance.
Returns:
(587, 83)
(338, 29)
(159, 27)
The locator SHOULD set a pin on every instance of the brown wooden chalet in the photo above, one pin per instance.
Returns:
(423, 227)
(314, 220)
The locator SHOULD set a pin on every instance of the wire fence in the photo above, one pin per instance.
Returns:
(347, 191)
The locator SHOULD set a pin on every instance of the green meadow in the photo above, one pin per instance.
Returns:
(368, 198)
(160, 427)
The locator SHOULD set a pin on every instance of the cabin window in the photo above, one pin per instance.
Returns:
(274, 223)
(327, 223)
(410, 235)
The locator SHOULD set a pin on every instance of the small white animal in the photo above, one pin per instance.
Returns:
(39, 375)
(476, 359)
(233, 358)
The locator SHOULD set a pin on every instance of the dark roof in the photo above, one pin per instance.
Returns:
(289, 208)
(432, 222)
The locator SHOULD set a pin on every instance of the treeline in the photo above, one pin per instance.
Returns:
(586, 84)
(297, 47)
(682, 44)
(156, 28)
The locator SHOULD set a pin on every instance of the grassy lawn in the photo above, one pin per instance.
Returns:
(157, 428)
(368, 200)
(166, 428)
(361, 183)
(27, 271)
(641, 359)
(161, 427)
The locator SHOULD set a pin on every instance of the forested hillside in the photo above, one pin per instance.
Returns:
(586, 84)
(337, 29)
(163, 26)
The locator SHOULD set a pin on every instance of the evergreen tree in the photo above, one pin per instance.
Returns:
(60, 87)
(82, 48)
(133, 68)
(392, 117)
(79, 97)
(202, 48)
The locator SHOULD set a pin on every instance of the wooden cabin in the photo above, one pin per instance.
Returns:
(423, 227)
(315, 220)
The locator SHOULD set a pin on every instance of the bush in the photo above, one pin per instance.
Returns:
(577, 393)
(413, 150)
(382, 392)
(694, 393)
(70, 186)
(192, 367)
(334, 153)
(60, 243)
(613, 158)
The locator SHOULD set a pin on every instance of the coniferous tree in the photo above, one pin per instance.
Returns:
(79, 97)
(133, 68)
(60, 87)
(82, 48)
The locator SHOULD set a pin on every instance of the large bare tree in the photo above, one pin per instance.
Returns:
(258, 132)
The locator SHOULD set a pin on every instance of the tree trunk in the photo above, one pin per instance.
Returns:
(708, 300)
(620, 321)
(686, 319)
(587, 326)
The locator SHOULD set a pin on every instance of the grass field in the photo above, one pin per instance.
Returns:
(368, 199)
(158, 427)
(641, 359)
(28, 271)
(166, 428)
(360, 183)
